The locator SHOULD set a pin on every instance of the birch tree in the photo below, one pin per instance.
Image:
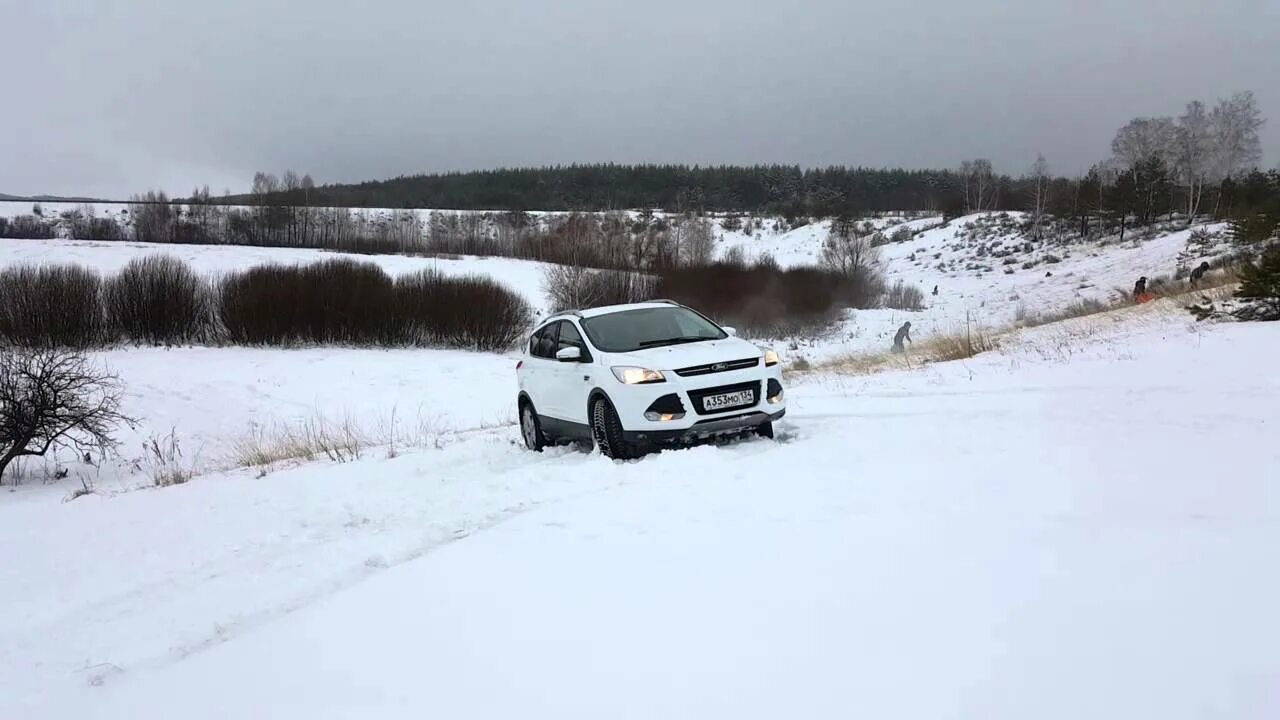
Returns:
(1193, 150)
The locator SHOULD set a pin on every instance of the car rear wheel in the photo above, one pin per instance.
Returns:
(530, 428)
(606, 429)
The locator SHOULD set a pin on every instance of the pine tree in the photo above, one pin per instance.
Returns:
(1261, 281)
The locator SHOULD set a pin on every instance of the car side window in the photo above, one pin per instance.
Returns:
(544, 343)
(569, 337)
(534, 339)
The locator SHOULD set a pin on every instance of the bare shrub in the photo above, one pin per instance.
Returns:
(154, 219)
(50, 306)
(83, 224)
(766, 261)
(158, 299)
(901, 296)
(55, 398)
(735, 256)
(27, 227)
(356, 303)
(569, 287)
(472, 312)
(762, 301)
(849, 255)
(331, 302)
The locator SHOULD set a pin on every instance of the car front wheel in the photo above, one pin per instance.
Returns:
(606, 429)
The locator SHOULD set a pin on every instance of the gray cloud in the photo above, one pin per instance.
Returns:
(117, 96)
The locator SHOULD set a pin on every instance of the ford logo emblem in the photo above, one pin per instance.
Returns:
(719, 367)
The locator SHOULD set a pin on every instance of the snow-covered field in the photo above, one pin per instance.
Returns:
(1071, 528)
(1079, 525)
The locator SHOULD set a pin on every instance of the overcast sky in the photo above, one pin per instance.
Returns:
(108, 97)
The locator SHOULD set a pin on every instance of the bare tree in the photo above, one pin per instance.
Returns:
(695, 242)
(1143, 139)
(849, 254)
(308, 185)
(154, 219)
(1235, 122)
(979, 185)
(292, 186)
(1193, 149)
(1039, 193)
(55, 398)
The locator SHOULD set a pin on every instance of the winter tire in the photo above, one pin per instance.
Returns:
(530, 428)
(607, 431)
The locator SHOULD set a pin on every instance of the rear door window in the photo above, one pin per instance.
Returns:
(543, 343)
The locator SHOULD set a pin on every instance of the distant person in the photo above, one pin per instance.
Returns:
(904, 333)
(1199, 272)
(1140, 289)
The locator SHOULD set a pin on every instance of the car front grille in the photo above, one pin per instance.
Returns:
(697, 396)
(725, 366)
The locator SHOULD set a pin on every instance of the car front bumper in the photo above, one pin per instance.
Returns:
(704, 430)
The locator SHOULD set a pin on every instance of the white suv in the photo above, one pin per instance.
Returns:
(635, 377)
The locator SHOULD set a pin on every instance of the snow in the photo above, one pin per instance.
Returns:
(1076, 526)
(1079, 526)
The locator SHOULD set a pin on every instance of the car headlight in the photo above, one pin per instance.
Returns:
(770, 358)
(637, 376)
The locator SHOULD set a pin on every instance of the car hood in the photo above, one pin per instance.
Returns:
(674, 357)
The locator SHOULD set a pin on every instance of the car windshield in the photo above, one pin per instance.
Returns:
(648, 328)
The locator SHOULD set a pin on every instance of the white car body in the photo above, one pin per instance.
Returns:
(724, 386)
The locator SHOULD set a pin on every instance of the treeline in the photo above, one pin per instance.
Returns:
(785, 190)
(159, 300)
(643, 241)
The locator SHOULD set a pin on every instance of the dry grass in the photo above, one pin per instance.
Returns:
(317, 438)
(339, 441)
(1081, 308)
(1059, 334)
(163, 458)
(956, 345)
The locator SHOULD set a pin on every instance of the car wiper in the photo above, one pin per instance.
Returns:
(673, 341)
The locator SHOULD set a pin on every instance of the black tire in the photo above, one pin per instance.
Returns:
(606, 429)
(531, 428)
(765, 429)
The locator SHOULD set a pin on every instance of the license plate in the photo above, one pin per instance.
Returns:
(727, 400)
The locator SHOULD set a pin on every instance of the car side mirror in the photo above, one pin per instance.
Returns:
(569, 354)
(730, 331)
